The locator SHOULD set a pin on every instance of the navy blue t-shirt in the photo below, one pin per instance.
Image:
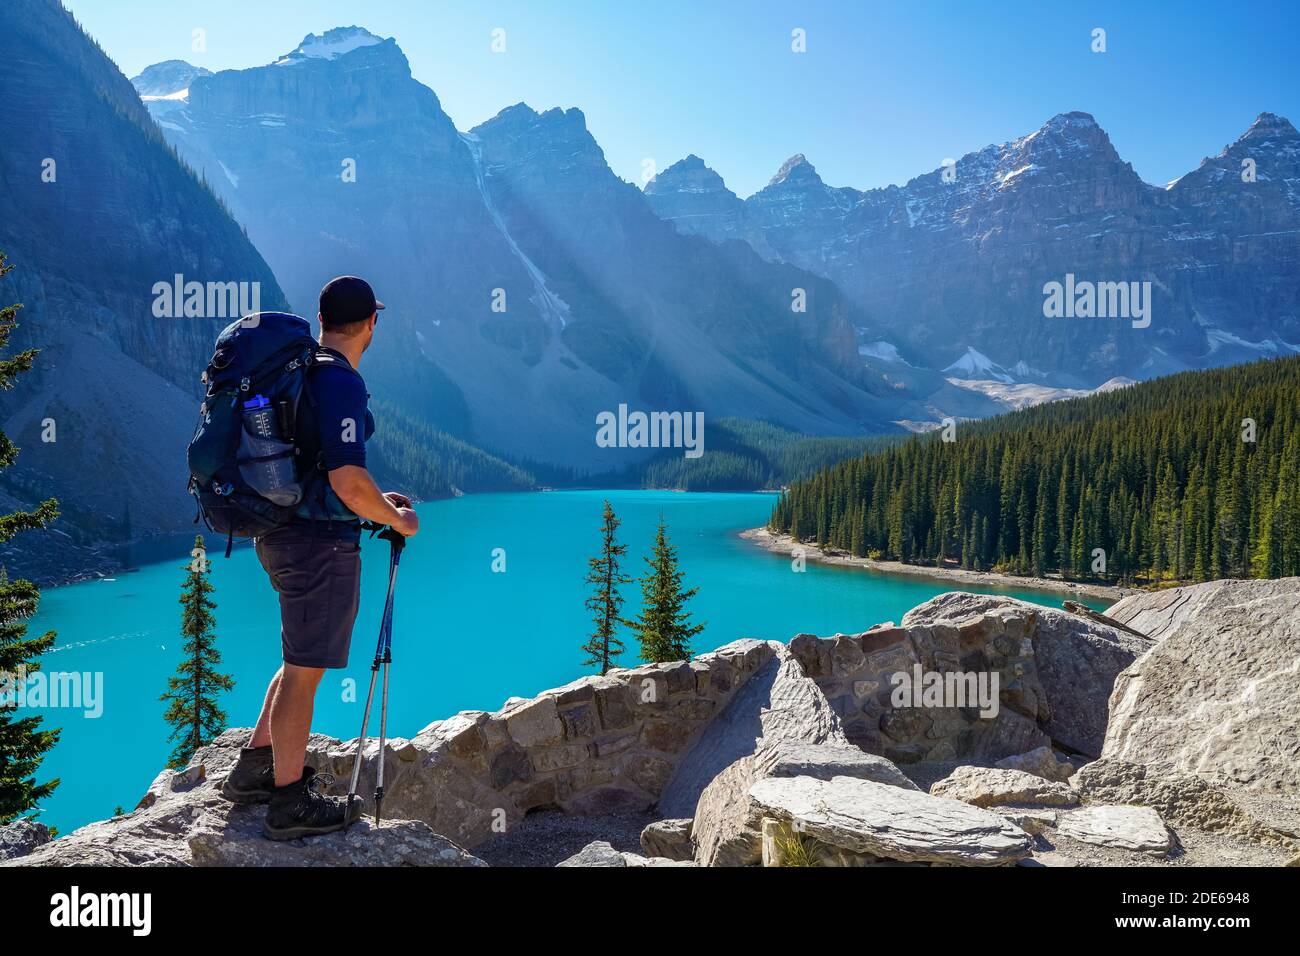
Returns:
(333, 431)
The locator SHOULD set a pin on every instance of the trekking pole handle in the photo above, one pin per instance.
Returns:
(387, 533)
(394, 538)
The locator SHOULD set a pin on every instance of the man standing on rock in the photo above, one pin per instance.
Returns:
(314, 564)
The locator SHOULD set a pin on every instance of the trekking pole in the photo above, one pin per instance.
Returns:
(384, 657)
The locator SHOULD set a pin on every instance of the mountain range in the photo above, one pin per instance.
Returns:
(530, 289)
(949, 270)
(938, 283)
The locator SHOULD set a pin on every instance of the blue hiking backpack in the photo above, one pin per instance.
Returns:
(245, 467)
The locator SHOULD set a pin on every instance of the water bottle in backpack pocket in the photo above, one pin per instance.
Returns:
(241, 459)
(266, 459)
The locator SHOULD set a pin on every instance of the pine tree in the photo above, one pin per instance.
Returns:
(1160, 477)
(192, 693)
(664, 628)
(606, 576)
(23, 744)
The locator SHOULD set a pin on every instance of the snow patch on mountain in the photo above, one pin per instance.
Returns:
(974, 364)
(1020, 395)
(330, 45)
(885, 351)
(1219, 338)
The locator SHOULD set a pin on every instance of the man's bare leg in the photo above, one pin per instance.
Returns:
(291, 712)
(262, 732)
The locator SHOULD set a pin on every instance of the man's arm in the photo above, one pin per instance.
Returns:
(357, 490)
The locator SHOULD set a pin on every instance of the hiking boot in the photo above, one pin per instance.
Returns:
(253, 778)
(298, 810)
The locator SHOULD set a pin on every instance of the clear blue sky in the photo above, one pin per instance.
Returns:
(884, 92)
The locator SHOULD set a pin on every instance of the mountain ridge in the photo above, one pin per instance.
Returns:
(600, 302)
(1011, 216)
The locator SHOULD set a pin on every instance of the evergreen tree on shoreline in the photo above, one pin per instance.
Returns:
(23, 745)
(664, 628)
(606, 575)
(192, 693)
(1187, 478)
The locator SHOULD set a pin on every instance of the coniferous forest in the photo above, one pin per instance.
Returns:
(1187, 478)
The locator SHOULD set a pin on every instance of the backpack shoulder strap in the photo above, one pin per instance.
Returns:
(322, 357)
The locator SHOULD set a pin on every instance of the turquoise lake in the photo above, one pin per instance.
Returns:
(464, 635)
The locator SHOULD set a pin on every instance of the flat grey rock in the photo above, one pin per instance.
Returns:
(865, 817)
(1138, 829)
(991, 787)
(824, 761)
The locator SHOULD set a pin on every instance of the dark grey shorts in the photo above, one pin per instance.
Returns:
(318, 578)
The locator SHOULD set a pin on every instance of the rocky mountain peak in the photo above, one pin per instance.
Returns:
(166, 79)
(1075, 119)
(1073, 133)
(796, 170)
(331, 45)
(530, 130)
(687, 175)
(1269, 127)
(346, 76)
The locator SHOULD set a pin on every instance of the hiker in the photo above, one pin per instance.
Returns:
(314, 563)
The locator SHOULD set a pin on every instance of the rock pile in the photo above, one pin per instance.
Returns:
(799, 755)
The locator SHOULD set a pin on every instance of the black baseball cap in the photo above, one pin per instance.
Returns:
(347, 299)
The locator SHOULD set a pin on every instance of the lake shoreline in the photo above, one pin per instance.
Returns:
(783, 544)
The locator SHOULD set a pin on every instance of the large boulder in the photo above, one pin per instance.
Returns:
(889, 823)
(1219, 696)
(987, 704)
(1159, 614)
(993, 787)
(1077, 661)
(22, 837)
